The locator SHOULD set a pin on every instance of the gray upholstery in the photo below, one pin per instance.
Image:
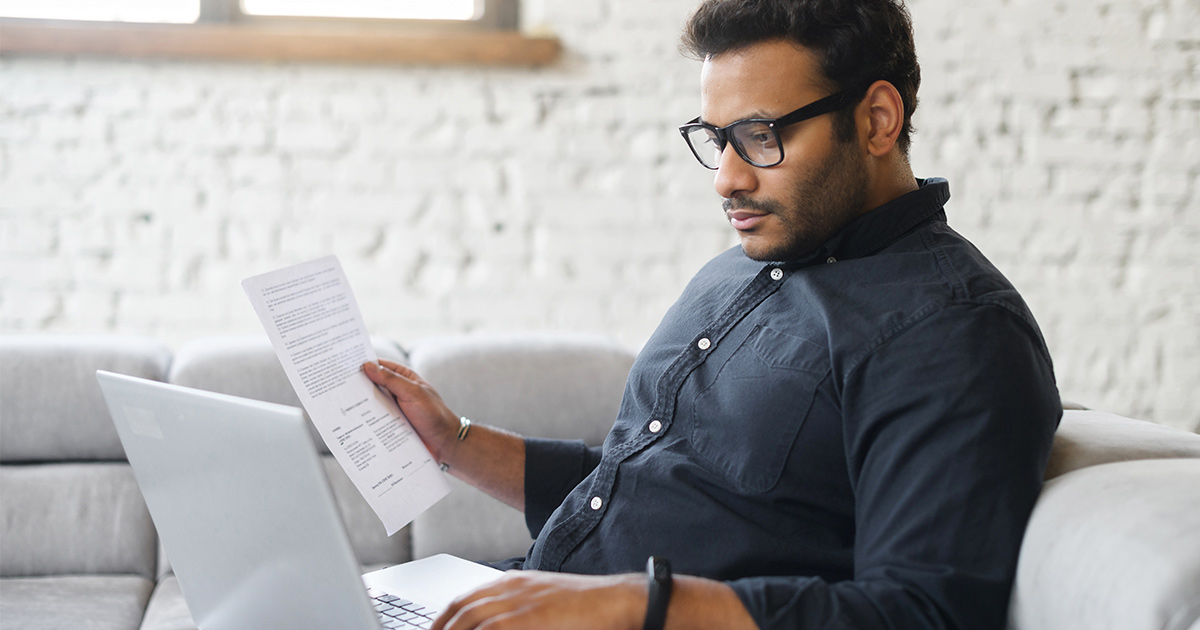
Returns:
(91, 602)
(246, 366)
(367, 534)
(75, 535)
(1112, 543)
(167, 610)
(1113, 547)
(1090, 438)
(85, 518)
(51, 408)
(556, 386)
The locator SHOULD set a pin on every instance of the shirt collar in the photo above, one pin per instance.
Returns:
(884, 225)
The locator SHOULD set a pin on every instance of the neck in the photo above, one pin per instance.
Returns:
(893, 180)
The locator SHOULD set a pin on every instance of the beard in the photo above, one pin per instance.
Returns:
(823, 200)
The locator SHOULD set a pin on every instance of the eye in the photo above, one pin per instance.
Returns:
(757, 135)
(764, 139)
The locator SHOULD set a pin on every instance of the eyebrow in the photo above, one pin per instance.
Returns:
(759, 114)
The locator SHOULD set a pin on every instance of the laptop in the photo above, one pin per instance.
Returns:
(242, 506)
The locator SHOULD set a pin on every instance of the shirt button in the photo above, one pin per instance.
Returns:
(704, 344)
(597, 502)
(655, 426)
(831, 259)
(776, 273)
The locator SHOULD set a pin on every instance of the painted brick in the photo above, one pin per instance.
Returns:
(134, 195)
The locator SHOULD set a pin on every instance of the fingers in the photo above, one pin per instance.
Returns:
(475, 608)
(395, 377)
(400, 369)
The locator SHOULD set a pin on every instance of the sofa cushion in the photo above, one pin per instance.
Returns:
(167, 610)
(81, 518)
(1113, 547)
(1088, 438)
(554, 386)
(50, 404)
(246, 366)
(371, 543)
(95, 602)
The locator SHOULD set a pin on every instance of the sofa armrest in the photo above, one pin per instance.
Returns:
(1113, 547)
(1088, 438)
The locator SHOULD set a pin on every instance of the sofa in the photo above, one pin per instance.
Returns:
(1113, 543)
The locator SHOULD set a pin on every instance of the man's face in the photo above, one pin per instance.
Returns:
(785, 211)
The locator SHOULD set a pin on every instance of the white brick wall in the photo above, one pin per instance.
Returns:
(135, 195)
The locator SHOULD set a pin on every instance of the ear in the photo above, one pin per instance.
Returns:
(881, 117)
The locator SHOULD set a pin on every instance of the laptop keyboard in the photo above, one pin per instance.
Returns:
(396, 612)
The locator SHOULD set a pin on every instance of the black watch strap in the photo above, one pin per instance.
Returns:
(659, 571)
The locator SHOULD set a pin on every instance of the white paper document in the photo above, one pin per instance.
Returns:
(317, 330)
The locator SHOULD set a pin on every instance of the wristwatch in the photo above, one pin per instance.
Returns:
(659, 572)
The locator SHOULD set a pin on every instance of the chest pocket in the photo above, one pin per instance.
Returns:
(745, 422)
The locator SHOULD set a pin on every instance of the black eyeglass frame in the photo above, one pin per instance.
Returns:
(831, 103)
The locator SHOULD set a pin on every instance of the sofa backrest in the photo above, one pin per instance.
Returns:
(69, 503)
(552, 386)
(246, 366)
(51, 408)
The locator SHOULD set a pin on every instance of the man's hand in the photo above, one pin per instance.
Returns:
(422, 405)
(490, 459)
(543, 601)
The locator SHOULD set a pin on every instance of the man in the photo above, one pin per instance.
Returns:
(842, 423)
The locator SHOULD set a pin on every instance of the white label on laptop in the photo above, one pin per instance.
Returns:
(142, 422)
(317, 330)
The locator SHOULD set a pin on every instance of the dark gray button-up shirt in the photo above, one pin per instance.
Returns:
(855, 439)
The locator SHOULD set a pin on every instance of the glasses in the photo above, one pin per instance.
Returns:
(756, 140)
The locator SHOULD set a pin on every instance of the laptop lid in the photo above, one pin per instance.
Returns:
(237, 492)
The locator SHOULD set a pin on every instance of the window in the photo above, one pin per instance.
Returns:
(355, 31)
(188, 11)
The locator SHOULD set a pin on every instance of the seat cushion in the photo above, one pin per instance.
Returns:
(51, 408)
(1088, 438)
(84, 518)
(95, 602)
(167, 609)
(1113, 547)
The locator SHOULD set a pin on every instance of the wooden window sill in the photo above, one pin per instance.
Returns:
(258, 42)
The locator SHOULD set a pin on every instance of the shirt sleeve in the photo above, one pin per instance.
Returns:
(552, 469)
(947, 429)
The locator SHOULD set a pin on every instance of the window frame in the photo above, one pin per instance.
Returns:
(223, 32)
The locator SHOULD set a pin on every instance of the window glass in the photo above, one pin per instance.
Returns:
(396, 9)
(187, 11)
(174, 11)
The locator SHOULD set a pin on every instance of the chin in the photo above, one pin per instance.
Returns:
(775, 252)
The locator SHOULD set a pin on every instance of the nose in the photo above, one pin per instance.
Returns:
(734, 175)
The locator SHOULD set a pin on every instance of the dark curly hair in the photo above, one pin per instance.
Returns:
(858, 42)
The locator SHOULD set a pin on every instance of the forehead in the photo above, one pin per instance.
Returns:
(767, 79)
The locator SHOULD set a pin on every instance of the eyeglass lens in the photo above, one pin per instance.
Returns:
(755, 141)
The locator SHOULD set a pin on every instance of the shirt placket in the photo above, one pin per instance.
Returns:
(573, 530)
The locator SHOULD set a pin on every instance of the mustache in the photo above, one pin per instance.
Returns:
(745, 203)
